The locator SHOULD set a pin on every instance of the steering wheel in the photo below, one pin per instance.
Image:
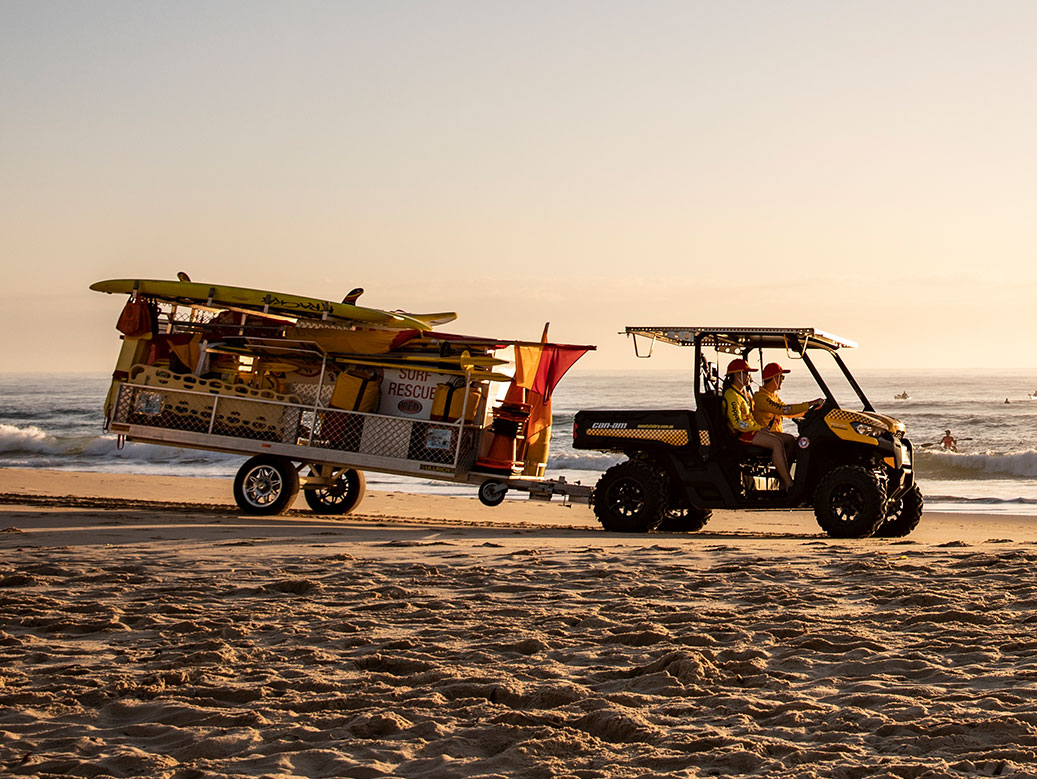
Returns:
(812, 414)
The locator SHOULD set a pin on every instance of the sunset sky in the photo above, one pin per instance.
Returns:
(869, 168)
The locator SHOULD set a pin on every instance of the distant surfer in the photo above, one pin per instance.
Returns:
(949, 441)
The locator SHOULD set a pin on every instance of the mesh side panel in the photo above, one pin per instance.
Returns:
(193, 412)
(164, 409)
(347, 431)
(386, 436)
(340, 430)
(469, 448)
(433, 443)
(256, 421)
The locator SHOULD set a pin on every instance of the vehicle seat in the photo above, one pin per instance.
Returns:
(751, 452)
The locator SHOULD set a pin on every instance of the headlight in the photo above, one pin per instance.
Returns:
(863, 428)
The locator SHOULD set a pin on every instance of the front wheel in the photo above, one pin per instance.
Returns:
(850, 502)
(266, 485)
(341, 497)
(903, 515)
(630, 498)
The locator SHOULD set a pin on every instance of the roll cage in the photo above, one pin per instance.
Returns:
(741, 342)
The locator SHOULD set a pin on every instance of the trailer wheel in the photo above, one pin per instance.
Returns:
(630, 498)
(266, 485)
(903, 516)
(341, 497)
(492, 492)
(850, 502)
(686, 520)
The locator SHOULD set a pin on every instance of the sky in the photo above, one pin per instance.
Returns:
(866, 168)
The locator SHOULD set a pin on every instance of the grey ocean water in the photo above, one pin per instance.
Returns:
(54, 421)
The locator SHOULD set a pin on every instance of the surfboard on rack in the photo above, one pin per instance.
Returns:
(267, 302)
(478, 367)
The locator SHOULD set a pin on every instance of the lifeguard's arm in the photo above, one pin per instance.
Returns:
(767, 404)
(739, 416)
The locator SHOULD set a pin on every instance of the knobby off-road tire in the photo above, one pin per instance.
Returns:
(850, 502)
(266, 485)
(630, 498)
(686, 520)
(341, 497)
(903, 515)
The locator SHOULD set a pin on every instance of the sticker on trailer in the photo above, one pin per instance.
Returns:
(409, 393)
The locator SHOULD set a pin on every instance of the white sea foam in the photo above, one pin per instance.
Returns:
(952, 465)
(583, 461)
(28, 440)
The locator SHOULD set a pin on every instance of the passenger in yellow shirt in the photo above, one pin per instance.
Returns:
(738, 411)
(769, 408)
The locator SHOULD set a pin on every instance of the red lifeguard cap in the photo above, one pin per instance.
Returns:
(772, 369)
(739, 365)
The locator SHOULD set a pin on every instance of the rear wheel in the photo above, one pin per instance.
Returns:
(341, 497)
(903, 515)
(630, 498)
(266, 485)
(686, 520)
(850, 502)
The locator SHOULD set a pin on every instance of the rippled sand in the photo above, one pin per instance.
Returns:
(142, 641)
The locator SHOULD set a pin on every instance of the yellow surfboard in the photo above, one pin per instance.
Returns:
(263, 301)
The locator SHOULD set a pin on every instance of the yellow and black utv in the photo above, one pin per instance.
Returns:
(853, 467)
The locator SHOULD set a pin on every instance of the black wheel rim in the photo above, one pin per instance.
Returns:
(626, 498)
(847, 503)
(895, 509)
(262, 486)
(334, 495)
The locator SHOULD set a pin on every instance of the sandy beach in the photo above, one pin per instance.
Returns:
(148, 629)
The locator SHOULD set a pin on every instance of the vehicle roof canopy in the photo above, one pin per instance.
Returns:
(736, 340)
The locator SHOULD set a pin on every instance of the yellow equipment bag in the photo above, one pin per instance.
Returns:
(356, 391)
(447, 400)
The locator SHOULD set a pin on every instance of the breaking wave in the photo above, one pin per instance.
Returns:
(28, 440)
(33, 447)
(952, 465)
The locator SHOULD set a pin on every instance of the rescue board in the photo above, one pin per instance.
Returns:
(263, 301)
(459, 365)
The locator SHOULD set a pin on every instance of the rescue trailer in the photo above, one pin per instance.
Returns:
(314, 393)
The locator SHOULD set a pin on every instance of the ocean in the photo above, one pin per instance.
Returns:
(54, 421)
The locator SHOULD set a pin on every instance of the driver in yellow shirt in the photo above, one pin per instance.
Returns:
(769, 408)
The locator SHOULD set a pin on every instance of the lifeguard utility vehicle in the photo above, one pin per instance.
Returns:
(853, 466)
(314, 392)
